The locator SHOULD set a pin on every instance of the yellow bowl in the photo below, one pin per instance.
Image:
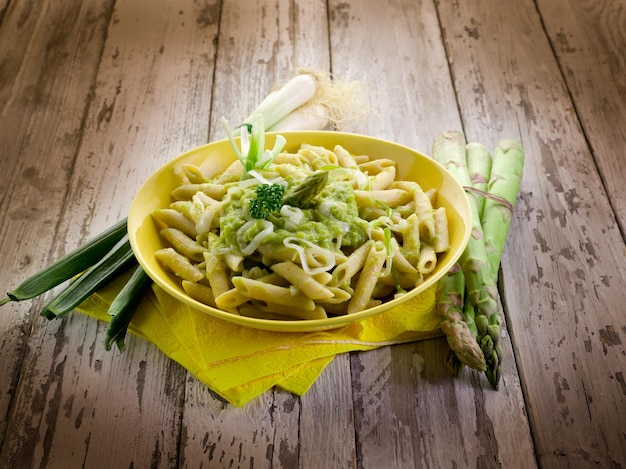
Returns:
(412, 165)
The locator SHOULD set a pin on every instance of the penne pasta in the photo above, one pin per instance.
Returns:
(425, 217)
(340, 295)
(199, 292)
(234, 261)
(400, 262)
(343, 273)
(194, 174)
(427, 260)
(270, 293)
(411, 242)
(442, 239)
(383, 179)
(231, 174)
(357, 238)
(230, 299)
(383, 172)
(302, 281)
(368, 278)
(388, 198)
(175, 219)
(344, 158)
(318, 157)
(179, 265)
(187, 191)
(216, 274)
(183, 244)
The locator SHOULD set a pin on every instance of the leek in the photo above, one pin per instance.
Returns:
(252, 154)
(310, 101)
(278, 104)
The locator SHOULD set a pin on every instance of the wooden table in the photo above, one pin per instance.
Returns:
(97, 94)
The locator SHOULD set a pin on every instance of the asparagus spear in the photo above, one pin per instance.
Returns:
(451, 304)
(479, 167)
(462, 342)
(454, 366)
(504, 185)
(449, 150)
(302, 195)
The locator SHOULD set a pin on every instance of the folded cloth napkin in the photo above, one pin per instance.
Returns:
(239, 363)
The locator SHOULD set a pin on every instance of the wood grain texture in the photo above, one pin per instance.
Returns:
(405, 68)
(94, 96)
(589, 40)
(261, 46)
(327, 421)
(38, 148)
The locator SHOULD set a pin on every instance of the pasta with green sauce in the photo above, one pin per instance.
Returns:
(344, 236)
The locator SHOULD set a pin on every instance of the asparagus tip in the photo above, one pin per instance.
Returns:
(454, 365)
(493, 376)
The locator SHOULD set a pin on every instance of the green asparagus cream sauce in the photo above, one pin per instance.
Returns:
(333, 216)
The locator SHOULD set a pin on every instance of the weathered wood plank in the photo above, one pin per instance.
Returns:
(4, 4)
(417, 416)
(404, 65)
(589, 41)
(151, 97)
(216, 434)
(402, 393)
(564, 268)
(39, 43)
(327, 429)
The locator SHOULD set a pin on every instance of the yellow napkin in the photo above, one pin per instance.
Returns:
(240, 363)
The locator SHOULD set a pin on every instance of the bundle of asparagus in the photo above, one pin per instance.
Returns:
(468, 293)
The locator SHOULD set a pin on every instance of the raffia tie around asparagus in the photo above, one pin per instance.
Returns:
(480, 261)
